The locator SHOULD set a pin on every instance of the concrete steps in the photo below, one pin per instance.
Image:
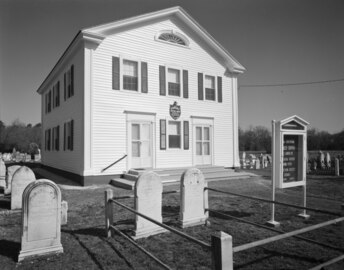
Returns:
(173, 175)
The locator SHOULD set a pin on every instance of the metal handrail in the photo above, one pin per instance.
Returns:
(276, 202)
(192, 239)
(118, 160)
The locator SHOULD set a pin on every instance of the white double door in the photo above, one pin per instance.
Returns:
(140, 140)
(203, 144)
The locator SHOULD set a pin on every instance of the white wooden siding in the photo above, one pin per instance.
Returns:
(109, 132)
(71, 108)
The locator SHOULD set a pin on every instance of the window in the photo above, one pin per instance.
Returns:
(173, 37)
(56, 95)
(56, 138)
(173, 78)
(48, 102)
(174, 138)
(209, 87)
(130, 72)
(129, 75)
(47, 139)
(68, 135)
(69, 83)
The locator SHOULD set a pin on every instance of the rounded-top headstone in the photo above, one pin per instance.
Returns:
(21, 178)
(148, 182)
(9, 176)
(193, 176)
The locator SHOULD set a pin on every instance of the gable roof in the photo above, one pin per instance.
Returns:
(98, 33)
(177, 13)
(294, 118)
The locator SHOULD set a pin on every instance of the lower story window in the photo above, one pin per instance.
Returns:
(174, 137)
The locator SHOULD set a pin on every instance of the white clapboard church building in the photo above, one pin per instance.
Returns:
(154, 91)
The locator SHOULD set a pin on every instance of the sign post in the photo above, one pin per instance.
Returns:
(289, 150)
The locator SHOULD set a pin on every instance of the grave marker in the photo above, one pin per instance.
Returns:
(148, 201)
(193, 198)
(10, 172)
(41, 219)
(21, 179)
(2, 174)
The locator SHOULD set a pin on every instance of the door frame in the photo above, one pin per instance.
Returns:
(202, 121)
(140, 117)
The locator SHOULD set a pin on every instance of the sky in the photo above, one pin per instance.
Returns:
(279, 42)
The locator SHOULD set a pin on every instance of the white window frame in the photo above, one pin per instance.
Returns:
(204, 87)
(122, 58)
(180, 121)
(180, 69)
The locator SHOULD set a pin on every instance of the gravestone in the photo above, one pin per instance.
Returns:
(257, 164)
(41, 219)
(64, 211)
(21, 179)
(244, 160)
(148, 201)
(9, 176)
(321, 159)
(336, 167)
(328, 160)
(193, 199)
(2, 174)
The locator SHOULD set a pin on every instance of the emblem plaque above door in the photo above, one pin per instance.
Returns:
(175, 111)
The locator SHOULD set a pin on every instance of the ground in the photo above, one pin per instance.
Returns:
(86, 247)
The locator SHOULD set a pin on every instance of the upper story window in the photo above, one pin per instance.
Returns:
(56, 95)
(209, 87)
(69, 83)
(173, 82)
(173, 37)
(130, 75)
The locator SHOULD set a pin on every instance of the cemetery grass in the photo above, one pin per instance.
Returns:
(86, 247)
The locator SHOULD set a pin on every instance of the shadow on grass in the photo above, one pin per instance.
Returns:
(9, 249)
(5, 203)
(170, 211)
(97, 232)
(231, 213)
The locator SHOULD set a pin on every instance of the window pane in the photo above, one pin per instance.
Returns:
(198, 133)
(206, 134)
(173, 75)
(135, 149)
(145, 150)
(130, 68)
(135, 132)
(174, 141)
(174, 128)
(129, 83)
(174, 89)
(209, 82)
(210, 94)
(198, 148)
(206, 148)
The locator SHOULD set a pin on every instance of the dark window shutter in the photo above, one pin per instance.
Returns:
(162, 77)
(115, 73)
(49, 138)
(185, 84)
(53, 139)
(58, 138)
(58, 94)
(219, 89)
(162, 134)
(71, 135)
(46, 103)
(54, 96)
(64, 136)
(186, 135)
(64, 86)
(144, 77)
(200, 86)
(72, 80)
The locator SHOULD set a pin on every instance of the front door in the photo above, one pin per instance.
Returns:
(203, 145)
(141, 144)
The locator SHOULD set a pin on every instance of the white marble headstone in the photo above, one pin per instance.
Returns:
(2, 174)
(193, 197)
(9, 176)
(148, 201)
(41, 219)
(21, 178)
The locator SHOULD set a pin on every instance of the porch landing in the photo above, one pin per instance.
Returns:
(173, 175)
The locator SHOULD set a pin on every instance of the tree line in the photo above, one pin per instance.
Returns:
(259, 139)
(19, 136)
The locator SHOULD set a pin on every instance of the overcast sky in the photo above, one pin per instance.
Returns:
(278, 41)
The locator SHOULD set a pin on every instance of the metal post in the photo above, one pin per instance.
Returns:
(108, 212)
(304, 214)
(272, 222)
(222, 251)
